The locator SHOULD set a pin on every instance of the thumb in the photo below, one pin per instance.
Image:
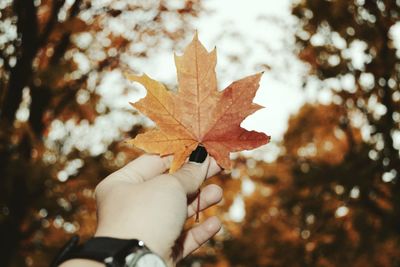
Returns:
(193, 173)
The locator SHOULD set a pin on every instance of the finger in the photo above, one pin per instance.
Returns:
(199, 154)
(192, 175)
(142, 168)
(213, 169)
(200, 234)
(209, 196)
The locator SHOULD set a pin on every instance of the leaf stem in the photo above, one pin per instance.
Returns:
(198, 207)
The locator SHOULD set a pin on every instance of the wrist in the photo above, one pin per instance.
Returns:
(81, 263)
(107, 251)
(136, 231)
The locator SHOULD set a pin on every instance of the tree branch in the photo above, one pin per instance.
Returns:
(56, 6)
(27, 27)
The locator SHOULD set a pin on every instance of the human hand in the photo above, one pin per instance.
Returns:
(140, 201)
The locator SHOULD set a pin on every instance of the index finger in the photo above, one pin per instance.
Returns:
(213, 169)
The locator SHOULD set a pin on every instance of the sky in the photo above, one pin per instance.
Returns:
(258, 33)
(261, 40)
(250, 36)
(267, 28)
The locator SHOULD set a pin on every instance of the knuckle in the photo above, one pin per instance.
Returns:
(218, 189)
(187, 171)
(192, 171)
(169, 182)
(196, 237)
(205, 202)
(191, 209)
(101, 188)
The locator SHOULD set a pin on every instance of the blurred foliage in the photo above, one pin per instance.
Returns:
(331, 198)
(54, 55)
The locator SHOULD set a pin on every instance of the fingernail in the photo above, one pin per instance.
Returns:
(199, 155)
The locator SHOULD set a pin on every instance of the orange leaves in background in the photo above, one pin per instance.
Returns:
(198, 114)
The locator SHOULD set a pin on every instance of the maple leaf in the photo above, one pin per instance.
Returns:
(198, 114)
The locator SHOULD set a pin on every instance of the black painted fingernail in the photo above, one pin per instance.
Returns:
(199, 155)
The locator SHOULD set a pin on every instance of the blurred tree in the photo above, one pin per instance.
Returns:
(54, 57)
(351, 48)
(313, 203)
(332, 197)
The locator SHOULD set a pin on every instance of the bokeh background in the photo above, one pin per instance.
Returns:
(325, 192)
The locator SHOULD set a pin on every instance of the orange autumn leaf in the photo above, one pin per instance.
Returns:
(198, 114)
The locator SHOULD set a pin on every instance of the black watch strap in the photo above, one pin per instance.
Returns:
(110, 251)
(65, 250)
